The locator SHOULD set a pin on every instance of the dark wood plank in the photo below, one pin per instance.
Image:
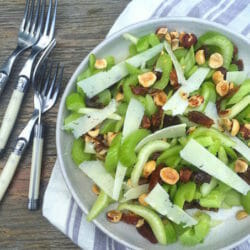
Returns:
(81, 25)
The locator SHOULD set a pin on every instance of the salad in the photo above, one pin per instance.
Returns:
(163, 131)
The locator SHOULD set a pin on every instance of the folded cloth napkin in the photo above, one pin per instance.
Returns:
(58, 205)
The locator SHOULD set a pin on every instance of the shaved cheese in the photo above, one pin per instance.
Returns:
(200, 157)
(134, 193)
(96, 171)
(119, 177)
(91, 110)
(85, 123)
(241, 147)
(177, 103)
(177, 66)
(211, 112)
(169, 132)
(89, 148)
(97, 83)
(133, 117)
(237, 77)
(159, 200)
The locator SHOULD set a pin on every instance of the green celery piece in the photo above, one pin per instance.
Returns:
(191, 71)
(231, 153)
(150, 107)
(151, 63)
(210, 73)
(222, 155)
(205, 141)
(245, 202)
(166, 187)
(184, 119)
(74, 102)
(173, 190)
(241, 93)
(132, 70)
(233, 67)
(87, 73)
(172, 151)
(189, 61)
(127, 154)
(221, 43)
(132, 50)
(232, 198)
(142, 44)
(183, 140)
(209, 93)
(153, 39)
(110, 62)
(173, 161)
(197, 233)
(92, 60)
(170, 93)
(170, 231)
(163, 64)
(129, 81)
(238, 107)
(152, 218)
(180, 53)
(213, 200)
(77, 153)
(118, 125)
(70, 118)
(122, 109)
(185, 192)
(108, 126)
(173, 142)
(102, 202)
(206, 188)
(244, 116)
(112, 157)
(104, 97)
(215, 134)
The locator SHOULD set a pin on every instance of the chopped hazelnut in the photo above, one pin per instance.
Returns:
(169, 175)
(200, 57)
(225, 113)
(94, 133)
(174, 34)
(235, 127)
(148, 168)
(183, 95)
(114, 216)
(175, 44)
(119, 97)
(162, 31)
(140, 223)
(240, 166)
(160, 98)
(142, 201)
(191, 130)
(241, 215)
(181, 35)
(95, 189)
(217, 77)
(101, 63)
(226, 124)
(245, 131)
(188, 40)
(231, 85)
(147, 79)
(215, 61)
(110, 137)
(195, 101)
(168, 38)
(222, 88)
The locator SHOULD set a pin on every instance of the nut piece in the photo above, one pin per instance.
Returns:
(175, 44)
(160, 98)
(173, 78)
(161, 32)
(235, 127)
(217, 77)
(95, 189)
(240, 166)
(200, 57)
(191, 130)
(168, 38)
(222, 88)
(225, 113)
(226, 124)
(101, 63)
(119, 97)
(142, 201)
(148, 168)
(174, 34)
(169, 175)
(195, 101)
(188, 40)
(110, 136)
(183, 95)
(181, 35)
(140, 223)
(231, 86)
(94, 133)
(114, 216)
(147, 79)
(241, 215)
(245, 131)
(215, 61)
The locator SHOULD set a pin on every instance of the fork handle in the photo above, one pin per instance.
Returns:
(35, 172)
(10, 116)
(3, 80)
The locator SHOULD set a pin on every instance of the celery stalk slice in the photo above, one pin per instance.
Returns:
(237, 77)
(159, 200)
(200, 157)
(119, 177)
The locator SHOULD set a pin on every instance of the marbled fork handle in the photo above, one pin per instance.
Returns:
(3, 80)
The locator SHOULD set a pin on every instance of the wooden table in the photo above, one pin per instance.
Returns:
(81, 25)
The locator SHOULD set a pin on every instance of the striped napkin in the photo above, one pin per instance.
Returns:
(58, 205)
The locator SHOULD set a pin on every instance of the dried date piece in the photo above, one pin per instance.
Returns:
(93, 102)
(155, 156)
(245, 131)
(155, 177)
(189, 40)
(239, 64)
(200, 118)
(130, 218)
(156, 119)
(146, 123)
(201, 177)
(174, 79)
(146, 231)
(139, 90)
(169, 120)
(158, 74)
(185, 175)
(246, 176)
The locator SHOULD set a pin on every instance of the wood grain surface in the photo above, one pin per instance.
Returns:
(81, 25)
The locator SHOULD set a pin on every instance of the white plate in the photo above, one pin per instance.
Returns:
(226, 234)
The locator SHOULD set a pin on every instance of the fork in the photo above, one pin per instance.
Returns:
(24, 137)
(45, 97)
(28, 35)
(47, 34)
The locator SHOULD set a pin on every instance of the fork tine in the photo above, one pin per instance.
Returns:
(26, 11)
(48, 18)
(53, 22)
(48, 76)
(59, 83)
(39, 25)
(35, 20)
(53, 82)
(28, 24)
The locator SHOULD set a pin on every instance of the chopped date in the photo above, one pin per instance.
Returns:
(223, 71)
(146, 231)
(206, 51)
(130, 218)
(246, 176)
(156, 119)
(169, 120)
(155, 177)
(155, 156)
(235, 53)
(201, 177)
(142, 181)
(146, 123)
(158, 75)
(195, 204)
(245, 131)
(200, 118)
(93, 102)
(185, 175)
(239, 64)
(139, 90)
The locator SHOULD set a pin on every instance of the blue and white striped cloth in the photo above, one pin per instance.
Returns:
(58, 205)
